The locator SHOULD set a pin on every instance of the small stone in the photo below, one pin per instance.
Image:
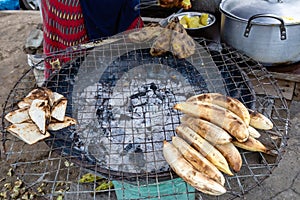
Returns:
(18, 183)
(10, 172)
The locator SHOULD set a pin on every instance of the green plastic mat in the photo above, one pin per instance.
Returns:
(166, 190)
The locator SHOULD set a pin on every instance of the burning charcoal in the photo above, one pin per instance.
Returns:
(128, 147)
(137, 158)
(137, 95)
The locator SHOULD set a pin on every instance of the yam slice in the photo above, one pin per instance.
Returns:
(54, 97)
(37, 93)
(28, 132)
(39, 113)
(57, 125)
(25, 103)
(18, 116)
(57, 97)
(59, 110)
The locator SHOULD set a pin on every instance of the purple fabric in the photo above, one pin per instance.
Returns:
(100, 15)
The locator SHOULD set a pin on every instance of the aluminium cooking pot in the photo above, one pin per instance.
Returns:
(266, 30)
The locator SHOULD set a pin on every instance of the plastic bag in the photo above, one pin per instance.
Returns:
(9, 5)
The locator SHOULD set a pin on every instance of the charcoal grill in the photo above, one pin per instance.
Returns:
(122, 98)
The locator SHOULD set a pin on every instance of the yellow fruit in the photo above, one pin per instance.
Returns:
(194, 22)
(204, 19)
(186, 4)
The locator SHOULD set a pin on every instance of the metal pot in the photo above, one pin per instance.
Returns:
(268, 31)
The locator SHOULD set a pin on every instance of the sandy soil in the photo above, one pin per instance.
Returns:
(14, 30)
(15, 27)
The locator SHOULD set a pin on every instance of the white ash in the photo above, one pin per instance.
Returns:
(124, 126)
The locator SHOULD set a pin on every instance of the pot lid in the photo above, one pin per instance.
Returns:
(288, 10)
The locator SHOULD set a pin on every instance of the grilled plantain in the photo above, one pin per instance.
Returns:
(211, 132)
(227, 102)
(232, 155)
(188, 173)
(253, 132)
(198, 160)
(204, 147)
(186, 4)
(217, 115)
(259, 121)
(252, 144)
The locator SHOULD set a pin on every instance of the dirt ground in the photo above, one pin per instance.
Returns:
(14, 29)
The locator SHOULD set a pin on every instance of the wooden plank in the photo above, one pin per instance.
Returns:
(286, 76)
(283, 76)
(265, 87)
(287, 88)
(296, 96)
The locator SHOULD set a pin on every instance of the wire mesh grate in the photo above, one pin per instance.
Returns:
(122, 98)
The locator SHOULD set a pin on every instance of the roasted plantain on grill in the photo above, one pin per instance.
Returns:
(259, 121)
(209, 131)
(58, 110)
(232, 155)
(37, 93)
(28, 132)
(198, 160)
(227, 102)
(253, 132)
(57, 125)
(205, 127)
(204, 147)
(252, 144)
(188, 173)
(217, 115)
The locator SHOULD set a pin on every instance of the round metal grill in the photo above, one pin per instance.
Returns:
(122, 98)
